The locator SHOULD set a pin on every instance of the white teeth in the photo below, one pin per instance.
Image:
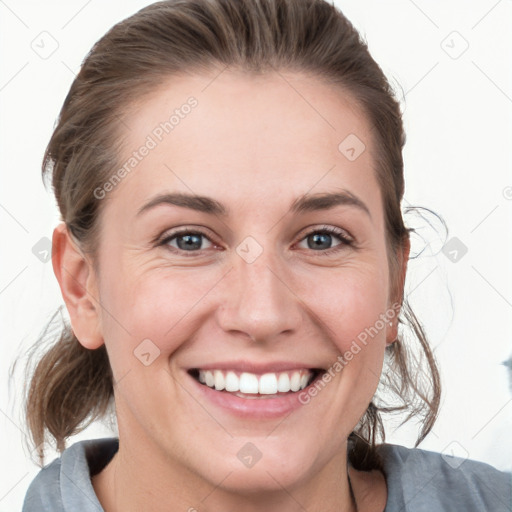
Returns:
(252, 384)
(295, 381)
(232, 382)
(248, 383)
(210, 380)
(220, 381)
(283, 383)
(268, 384)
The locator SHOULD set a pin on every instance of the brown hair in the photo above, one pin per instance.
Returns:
(71, 385)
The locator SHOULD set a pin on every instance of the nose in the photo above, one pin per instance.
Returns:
(259, 300)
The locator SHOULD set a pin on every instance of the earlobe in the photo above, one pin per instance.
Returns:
(392, 332)
(77, 283)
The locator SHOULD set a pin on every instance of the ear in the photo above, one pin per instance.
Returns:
(402, 260)
(78, 286)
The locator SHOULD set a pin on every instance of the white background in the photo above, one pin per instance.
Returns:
(457, 114)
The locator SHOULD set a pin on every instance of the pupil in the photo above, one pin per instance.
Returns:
(320, 241)
(189, 242)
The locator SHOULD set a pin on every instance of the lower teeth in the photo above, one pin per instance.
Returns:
(254, 397)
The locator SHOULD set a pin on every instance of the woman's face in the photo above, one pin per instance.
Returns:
(259, 285)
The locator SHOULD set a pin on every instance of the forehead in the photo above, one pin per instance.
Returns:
(267, 137)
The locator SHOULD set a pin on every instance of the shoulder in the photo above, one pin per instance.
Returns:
(44, 491)
(65, 483)
(422, 480)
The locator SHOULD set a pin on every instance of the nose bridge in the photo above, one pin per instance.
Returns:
(259, 302)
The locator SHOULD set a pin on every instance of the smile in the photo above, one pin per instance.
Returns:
(252, 385)
(252, 390)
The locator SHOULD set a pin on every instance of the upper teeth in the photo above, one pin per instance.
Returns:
(266, 384)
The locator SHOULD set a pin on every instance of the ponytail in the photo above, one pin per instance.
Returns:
(71, 386)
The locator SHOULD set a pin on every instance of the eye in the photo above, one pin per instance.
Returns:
(186, 240)
(318, 239)
(321, 239)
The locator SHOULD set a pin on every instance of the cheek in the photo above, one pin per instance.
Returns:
(352, 306)
(154, 305)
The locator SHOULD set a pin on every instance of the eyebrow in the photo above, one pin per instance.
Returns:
(304, 203)
(326, 201)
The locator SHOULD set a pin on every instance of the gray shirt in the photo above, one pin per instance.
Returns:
(417, 481)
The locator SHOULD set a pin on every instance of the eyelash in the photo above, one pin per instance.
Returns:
(344, 238)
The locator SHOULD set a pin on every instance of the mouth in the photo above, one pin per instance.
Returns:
(247, 385)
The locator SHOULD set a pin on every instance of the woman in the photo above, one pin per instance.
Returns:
(232, 257)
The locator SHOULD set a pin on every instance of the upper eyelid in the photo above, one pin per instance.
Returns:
(171, 233)
(330, 229)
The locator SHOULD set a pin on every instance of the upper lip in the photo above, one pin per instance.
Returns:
(256, 368)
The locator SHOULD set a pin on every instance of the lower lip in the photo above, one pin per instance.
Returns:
(262, 408)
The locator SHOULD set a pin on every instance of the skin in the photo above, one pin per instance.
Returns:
(254, 144)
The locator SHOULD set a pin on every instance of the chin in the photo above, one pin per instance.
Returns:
(259, 464)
